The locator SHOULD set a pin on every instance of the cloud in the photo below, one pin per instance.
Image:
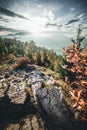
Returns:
(3, 33)
(82, 16)
(3, 19)
(49, 14)
(36, 0)
(70, 35)
(51, 24)
(12, 32)
(72, 21)
(72, 9)
(84, 26)
(63, 20)
(22, 33)
(7, 29)
(59, 25)
(39, 6)
(10, 13)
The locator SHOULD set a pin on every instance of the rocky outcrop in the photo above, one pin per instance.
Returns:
(12, 94)
(18, 109)
(22, 91)
(31, 122)
(51, 101)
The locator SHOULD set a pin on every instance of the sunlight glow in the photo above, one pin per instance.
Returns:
(35, 30)
(37, 26)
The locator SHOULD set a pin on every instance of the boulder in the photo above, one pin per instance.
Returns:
(52, 102)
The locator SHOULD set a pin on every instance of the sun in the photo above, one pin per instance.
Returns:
(35, 30)
(35, 26)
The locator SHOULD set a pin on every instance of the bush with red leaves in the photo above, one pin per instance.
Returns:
(76, 78)
(20, 63)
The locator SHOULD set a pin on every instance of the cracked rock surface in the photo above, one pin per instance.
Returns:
(26, 103)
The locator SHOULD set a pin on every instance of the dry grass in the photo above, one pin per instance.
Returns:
(21, 62)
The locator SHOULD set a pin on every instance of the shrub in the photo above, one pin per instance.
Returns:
(76, 77)
(20, 63)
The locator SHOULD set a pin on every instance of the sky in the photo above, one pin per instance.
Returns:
(50, 23)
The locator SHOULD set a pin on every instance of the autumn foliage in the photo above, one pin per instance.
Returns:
(21, 62)
(76, 78)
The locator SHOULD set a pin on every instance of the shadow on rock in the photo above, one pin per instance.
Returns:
(12, 113)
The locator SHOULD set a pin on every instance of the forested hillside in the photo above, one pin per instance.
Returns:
(37, 55)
